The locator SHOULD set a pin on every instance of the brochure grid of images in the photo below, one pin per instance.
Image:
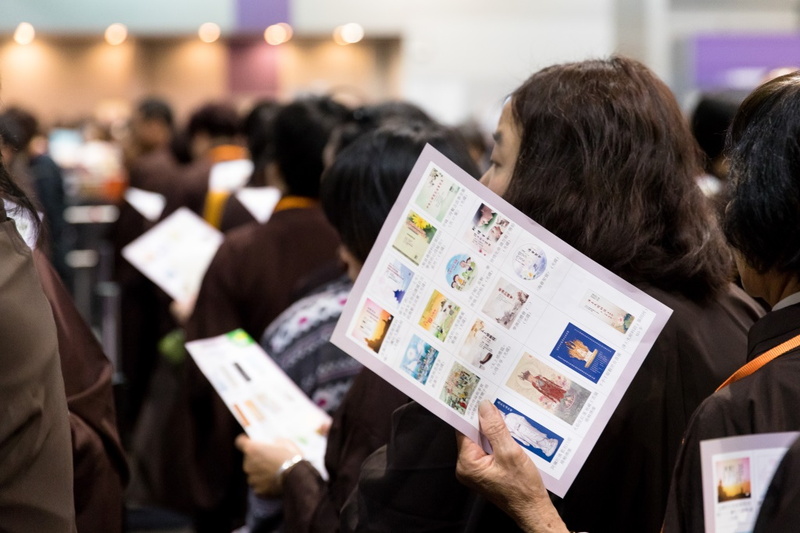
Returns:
(467, 305)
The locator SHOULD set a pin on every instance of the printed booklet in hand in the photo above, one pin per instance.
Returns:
(463, 298)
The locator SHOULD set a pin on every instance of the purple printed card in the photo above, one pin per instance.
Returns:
(463, 298)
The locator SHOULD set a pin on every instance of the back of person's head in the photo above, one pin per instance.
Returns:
(28, 125)
(151, 126)
(217, 120)
(367, 118)
(607, 163)
(258, 127)
(762, 220)
(302, 129)
(157, 110)
(362, 184)
(12, 135)
(710, 121)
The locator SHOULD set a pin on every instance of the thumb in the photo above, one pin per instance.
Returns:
(494, 428)
(242, 441)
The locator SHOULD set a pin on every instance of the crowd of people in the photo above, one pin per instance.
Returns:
(598, 152)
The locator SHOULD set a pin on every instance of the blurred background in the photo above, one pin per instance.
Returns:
(455, 58)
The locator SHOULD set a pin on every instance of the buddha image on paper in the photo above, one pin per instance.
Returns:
(529, 433)
(459, 387)
(548, 388)
(582, 352)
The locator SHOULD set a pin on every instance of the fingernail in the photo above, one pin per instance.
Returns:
(485, 408)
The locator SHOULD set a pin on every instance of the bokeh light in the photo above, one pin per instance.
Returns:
(278, 33)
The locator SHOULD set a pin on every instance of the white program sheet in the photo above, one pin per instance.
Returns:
(463, 298)
(176, 253)
(267, 404)
(736, 475)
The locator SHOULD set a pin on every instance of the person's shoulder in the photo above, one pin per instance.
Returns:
(731, 309)
(715, 417)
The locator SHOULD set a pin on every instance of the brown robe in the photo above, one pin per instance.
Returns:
(35, 449)
(248, 283)
(144, 316)
(764, 402)
(410, 484)
(360, 426)
(100, 469)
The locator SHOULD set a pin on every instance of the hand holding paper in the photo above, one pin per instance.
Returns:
(262, 461)
(463, 299)
(262, 398)
(507, 477)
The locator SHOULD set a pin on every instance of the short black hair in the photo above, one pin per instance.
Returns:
(370, 117)
(762, 220)
(302, 129)
(216, 119)
(11, 132)
(28, 125)
(156, 109)
(710, 120)
(362, 184)
(258, 127)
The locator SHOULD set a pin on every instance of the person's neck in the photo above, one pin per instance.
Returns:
(783, 285)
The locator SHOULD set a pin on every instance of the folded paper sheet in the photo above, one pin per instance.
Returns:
(176, 253)
(267, 404)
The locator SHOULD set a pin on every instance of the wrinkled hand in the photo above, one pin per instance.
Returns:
(262, 461)
(507, 477)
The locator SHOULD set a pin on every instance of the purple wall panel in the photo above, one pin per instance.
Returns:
(253, 68)
(724, 61)
(256, 15)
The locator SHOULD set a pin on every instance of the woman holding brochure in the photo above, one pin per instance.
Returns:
(358, 191)
(761, 223)
(599, 154)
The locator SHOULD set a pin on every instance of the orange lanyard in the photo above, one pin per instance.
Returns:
(227, 152)
(295, 202)
(762, 360)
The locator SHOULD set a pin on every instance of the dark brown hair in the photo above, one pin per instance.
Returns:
(607, 163)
